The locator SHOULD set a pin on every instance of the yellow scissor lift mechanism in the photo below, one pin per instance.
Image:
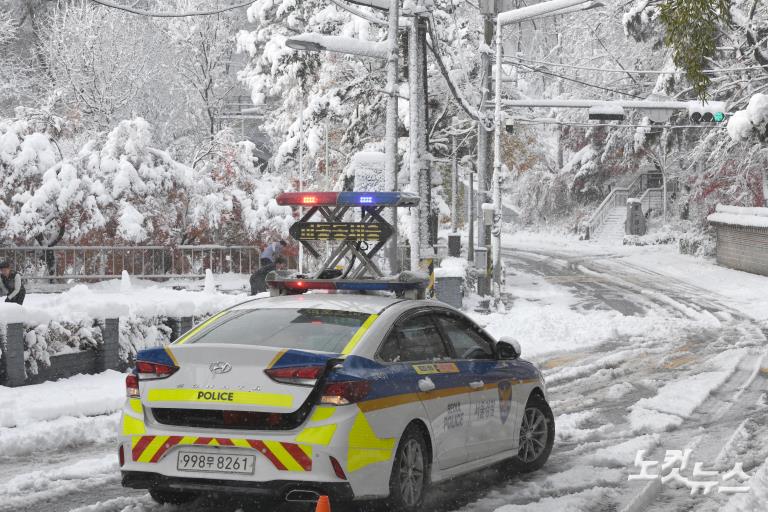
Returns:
(361, 273)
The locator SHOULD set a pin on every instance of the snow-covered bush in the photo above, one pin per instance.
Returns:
(140, 333)
(43, 341)
(698, 243)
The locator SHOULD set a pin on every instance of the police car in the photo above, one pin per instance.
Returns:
(350, 395)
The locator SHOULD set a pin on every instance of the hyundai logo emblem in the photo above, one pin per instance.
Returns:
(220, 367)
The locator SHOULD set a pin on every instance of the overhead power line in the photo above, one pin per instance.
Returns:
(184, 14)
(575, 80)
(544, 122)
(632, 71)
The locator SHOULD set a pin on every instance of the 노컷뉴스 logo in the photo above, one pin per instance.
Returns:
(220, 367)
(675, 461)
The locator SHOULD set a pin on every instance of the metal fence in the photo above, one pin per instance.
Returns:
(149, 262)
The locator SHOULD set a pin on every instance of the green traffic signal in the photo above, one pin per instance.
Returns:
(718, 117)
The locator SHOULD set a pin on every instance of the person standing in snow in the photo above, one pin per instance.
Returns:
(271, 252)
(11, 283)
(259, 278)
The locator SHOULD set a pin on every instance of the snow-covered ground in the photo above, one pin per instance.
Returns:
(643, 349)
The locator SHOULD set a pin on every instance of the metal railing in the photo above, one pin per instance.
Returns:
(652, 199)
(618, 198)
(149, 262)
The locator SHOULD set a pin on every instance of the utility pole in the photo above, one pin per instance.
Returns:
(426, 162)
(471, 218)
(419, 167)
(301, 176)
(327, 159)
(390, 148)
(497, 211)
(454, 186)
(483, 131)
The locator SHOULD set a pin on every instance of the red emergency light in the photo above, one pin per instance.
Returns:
(308, 198)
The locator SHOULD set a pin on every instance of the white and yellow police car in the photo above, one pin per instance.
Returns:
(350, 396)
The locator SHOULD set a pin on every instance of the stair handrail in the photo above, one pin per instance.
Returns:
(598, 217)
(617, 197)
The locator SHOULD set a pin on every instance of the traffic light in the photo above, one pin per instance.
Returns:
(709, 112)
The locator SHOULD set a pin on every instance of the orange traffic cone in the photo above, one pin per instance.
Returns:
(323, 505)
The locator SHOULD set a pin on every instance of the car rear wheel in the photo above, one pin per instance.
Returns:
(171, 497)
(537, 434)
(410, 472)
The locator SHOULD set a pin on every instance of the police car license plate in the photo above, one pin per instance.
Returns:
(198, 461)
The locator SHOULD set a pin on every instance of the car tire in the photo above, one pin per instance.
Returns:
(171, 497)
(537, 435)
(409, 480)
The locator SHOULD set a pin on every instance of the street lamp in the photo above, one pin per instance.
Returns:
(305, 46)
(337, 44)
(544, 9)
(388, 51)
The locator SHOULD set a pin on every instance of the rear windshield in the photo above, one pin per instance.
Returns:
(323, 330)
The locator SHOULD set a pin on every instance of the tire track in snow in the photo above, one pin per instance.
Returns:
(601, 431)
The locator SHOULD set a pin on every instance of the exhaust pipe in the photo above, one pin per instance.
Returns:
(302, 496)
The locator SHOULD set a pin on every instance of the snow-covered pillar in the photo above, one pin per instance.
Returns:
(109, 354)
(185, 324)
(13, 357)
(390, 148)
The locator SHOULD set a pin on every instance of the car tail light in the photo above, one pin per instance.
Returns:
(149, 370)
(121, 456)
(132, 386)
(337, 468)
(344, 393)
(297, 375)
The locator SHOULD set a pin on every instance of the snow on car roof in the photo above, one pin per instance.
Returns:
(339, 301)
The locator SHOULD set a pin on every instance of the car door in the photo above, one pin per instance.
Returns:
(492, 418)
(416, 342)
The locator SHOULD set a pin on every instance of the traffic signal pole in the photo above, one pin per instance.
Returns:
(390, 172)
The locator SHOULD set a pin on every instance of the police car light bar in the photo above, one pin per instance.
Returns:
(347, 199)
(303, 285)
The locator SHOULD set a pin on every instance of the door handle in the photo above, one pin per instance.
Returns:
(478, 384)
(426, 384)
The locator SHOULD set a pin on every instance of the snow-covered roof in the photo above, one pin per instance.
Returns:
(740, 216)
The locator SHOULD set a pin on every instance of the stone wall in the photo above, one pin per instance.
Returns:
(105, 357)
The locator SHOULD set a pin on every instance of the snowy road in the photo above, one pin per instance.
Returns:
(633, 359)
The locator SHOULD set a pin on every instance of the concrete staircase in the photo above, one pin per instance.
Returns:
(611, 231)
(606, 224)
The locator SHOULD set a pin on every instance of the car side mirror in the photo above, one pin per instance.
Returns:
(508, 348)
